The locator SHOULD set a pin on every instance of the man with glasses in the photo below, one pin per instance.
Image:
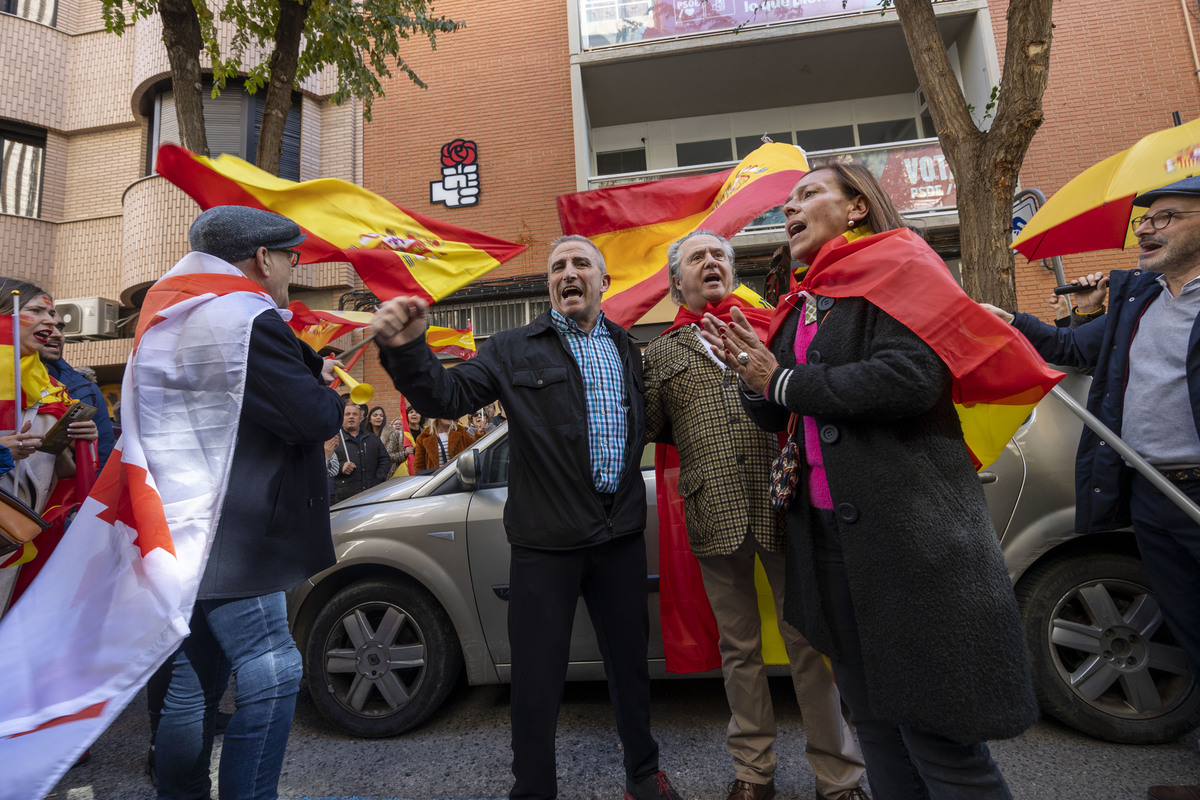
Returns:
(80, 387)
(1146, 355)
(233, 400)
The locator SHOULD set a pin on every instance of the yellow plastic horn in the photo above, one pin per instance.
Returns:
(360, 393)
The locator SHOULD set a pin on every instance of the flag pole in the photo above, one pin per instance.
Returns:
(18, 397)
(1126, 452)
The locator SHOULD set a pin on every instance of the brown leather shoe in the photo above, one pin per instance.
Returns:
(1173, 793)
(744, 790)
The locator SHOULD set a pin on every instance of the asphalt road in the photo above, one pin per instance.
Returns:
(463, 752)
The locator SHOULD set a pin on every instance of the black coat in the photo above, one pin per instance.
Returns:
(371, 459)
(552, 503)
(938, 622)
(274, 526)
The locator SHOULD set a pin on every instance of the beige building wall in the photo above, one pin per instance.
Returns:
(106, 228)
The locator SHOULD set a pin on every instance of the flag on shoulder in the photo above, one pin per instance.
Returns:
(395, 251)
(114, 600)
(634, 225)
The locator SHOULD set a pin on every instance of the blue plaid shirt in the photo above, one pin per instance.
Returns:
(607, 403)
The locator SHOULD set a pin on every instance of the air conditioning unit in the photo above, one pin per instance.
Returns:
(89, 316)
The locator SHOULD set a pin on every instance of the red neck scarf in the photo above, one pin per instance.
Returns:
(759, 318)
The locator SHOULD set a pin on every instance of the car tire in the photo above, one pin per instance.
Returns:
(1104, 661)
(381, 657)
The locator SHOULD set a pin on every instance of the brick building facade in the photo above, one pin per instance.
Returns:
(558, 97)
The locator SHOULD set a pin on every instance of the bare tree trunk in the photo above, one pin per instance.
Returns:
(985, 165)
(181, 35)
(292, 16)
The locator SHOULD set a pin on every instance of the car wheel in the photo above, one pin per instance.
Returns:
(1104, 661)
(382, 656)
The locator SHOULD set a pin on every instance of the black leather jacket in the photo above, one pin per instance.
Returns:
(552, 502)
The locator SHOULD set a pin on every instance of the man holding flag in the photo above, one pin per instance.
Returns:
(214, 502)
(724, 464)
(273, 529)
(571, 381)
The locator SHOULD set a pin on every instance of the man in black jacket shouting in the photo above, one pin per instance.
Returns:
(364, 459)
(571, 384)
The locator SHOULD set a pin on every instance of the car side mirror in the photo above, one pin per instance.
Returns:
(467, 466)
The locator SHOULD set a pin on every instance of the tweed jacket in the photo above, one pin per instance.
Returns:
(724, 458)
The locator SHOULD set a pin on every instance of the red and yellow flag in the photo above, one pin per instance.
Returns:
(634, 225)
(318, 328)
(395, 251)
(998, 376)
(452, 341)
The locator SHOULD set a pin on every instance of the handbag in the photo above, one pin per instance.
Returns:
(785, 470)
(18, 524)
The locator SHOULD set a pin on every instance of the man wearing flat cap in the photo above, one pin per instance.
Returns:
(252, 409)
(1146, 386)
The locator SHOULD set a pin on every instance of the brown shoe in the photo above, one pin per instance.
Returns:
(1173, 793)
(744, 790)
(853, 793)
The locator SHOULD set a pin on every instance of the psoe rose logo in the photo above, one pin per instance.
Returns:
(459, 185)
(460, 151)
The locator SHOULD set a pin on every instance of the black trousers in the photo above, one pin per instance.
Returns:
(1169, 541)
(545, 586)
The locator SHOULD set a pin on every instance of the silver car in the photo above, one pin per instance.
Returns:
(419, 594)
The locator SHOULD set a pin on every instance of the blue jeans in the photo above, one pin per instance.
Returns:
(249, 637)
(903, 763)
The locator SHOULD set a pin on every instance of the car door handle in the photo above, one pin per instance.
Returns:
(988, 477)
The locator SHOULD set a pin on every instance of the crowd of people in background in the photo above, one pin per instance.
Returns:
(373, 445)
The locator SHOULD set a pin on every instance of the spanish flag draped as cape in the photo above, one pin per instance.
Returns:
(997, 375)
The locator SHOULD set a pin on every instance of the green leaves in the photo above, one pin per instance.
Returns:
(361, 39)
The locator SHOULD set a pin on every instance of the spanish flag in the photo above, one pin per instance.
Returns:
(394, 251)
(634, 225)
(451, 341)
(997, 375)
(318, 328)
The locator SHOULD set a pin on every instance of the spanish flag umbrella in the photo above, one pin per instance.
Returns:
(1092, 211)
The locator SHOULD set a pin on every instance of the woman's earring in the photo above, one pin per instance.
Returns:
(852, 222)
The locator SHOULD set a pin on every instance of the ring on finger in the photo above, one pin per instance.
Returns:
(743, 358)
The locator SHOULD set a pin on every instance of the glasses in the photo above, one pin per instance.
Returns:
(293, 256)
(1157, 221)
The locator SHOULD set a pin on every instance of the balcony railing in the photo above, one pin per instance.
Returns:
(915, 175)
(606, 23)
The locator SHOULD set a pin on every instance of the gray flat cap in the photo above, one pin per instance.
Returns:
(1187, 186)
(235, 233)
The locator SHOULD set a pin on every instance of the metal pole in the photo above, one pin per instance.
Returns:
(1126, 452)
(18, 398)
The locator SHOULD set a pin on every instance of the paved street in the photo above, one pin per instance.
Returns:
(463, 753)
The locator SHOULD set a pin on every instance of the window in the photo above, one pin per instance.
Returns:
(489, 316)
(892, 130)
(43, 11)
(22, 162)
(748, 144)
(826, 138)
(713, 151)
(231, 124)
(616, 162)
